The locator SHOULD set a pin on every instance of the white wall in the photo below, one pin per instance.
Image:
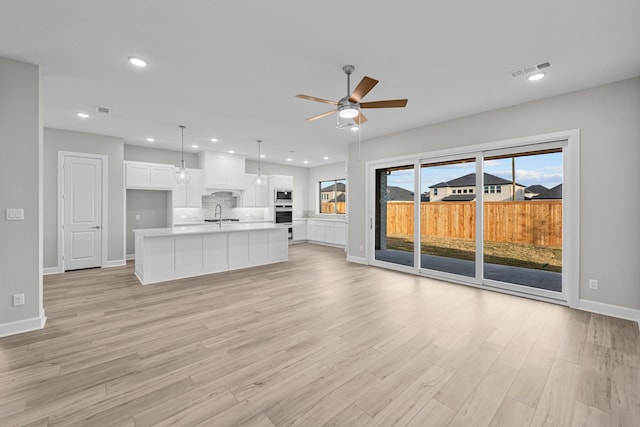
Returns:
(20, 187)
(609, 121)
(64, 140)
(323, 173)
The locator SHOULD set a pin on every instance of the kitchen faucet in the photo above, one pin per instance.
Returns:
(218, 214)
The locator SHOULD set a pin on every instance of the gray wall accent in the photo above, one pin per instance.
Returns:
(609, 121)
(21, 187)
(64, 140)
(300, 180)
(158, 155)
(322, 173)
(151, 205)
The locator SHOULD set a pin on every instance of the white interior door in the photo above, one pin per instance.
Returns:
(82, 212)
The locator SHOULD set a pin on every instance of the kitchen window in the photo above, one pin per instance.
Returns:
(333, 196)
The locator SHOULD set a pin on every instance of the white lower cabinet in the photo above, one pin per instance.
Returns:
(299, 230)
(326, 231)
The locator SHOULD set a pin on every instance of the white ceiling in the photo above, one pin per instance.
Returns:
(230, 69)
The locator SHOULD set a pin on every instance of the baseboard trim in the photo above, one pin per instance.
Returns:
(609, 310)
(131, 257)
(116, 263)
(357, 260)
(22, 326)
(51, 270)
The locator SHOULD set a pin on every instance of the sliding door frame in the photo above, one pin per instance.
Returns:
(570, 212)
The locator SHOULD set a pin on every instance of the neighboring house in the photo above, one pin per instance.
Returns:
(533, 190)
(399, 194)
(328, 193)
(554, 193)
(496, 189)
(341, 198)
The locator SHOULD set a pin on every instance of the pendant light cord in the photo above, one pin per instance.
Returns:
(182, 152)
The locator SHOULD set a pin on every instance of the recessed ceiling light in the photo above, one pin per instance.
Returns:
(535, 77)
(231, 151)
(214, 139)
(354, 128)
(138, 62)
(326, 158)
(262, 156)
(151, 140)
(194, 146)
(306, 162)
(82, 115)
(289, 159)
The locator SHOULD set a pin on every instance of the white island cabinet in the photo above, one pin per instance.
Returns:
(174, 253)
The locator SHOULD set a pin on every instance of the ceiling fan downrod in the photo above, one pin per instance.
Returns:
(348, 69)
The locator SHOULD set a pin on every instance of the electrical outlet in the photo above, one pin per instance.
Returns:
(137, 217)
(18, 299)
(593, 284)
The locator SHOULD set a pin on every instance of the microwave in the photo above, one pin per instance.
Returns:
(283, 196)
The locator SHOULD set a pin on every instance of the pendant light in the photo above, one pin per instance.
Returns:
(260, 180)
(182, 175)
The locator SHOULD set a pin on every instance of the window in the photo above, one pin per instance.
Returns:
(492, 189)
(498, 188)
(464, 191)
(486, 189)
(333, 196)
(435, 191)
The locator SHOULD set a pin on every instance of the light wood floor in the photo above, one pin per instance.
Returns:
(313, 342)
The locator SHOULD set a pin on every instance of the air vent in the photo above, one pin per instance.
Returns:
(103, 110)
(530, 69)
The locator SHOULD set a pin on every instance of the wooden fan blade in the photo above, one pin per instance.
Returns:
(360, 119)
(363, 88)
(313, 98)
(390, 103)
(319, 116)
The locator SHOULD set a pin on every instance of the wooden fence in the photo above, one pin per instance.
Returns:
(328, 207)
(534, 222)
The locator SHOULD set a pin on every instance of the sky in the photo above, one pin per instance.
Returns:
(541, 169)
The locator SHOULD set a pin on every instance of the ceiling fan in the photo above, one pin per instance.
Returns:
(349, 107)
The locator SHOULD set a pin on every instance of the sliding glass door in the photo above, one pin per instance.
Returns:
(448, 216)
(493, 217)
(394, 215)
(523, 219)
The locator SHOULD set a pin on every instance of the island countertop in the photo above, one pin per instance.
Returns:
(206, 229)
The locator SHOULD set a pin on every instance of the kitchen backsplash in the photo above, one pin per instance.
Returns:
(229, 210)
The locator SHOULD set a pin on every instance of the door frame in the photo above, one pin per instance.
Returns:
(570, 212)
(60, 209)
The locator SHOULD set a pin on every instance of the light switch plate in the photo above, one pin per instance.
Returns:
(14, 214)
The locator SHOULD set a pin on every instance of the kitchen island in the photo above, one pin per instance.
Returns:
(163, 254)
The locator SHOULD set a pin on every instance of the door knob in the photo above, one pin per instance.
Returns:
(96, 227)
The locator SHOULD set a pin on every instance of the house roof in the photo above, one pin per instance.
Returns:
(340, 186)
(399, 194)
(459, 198)
(341, 198)
(469, 180)
(552, 193)
(537, 189)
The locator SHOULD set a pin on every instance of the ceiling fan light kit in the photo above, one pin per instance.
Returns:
(349, 106)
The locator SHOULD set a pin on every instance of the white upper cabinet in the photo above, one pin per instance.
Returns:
(284, 182)
(148, 176)
(255, 196)
(222, 171)
(189, 195)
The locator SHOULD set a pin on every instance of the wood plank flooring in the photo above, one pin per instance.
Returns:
(315, 341)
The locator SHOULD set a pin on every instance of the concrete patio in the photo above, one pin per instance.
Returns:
(540, 279)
